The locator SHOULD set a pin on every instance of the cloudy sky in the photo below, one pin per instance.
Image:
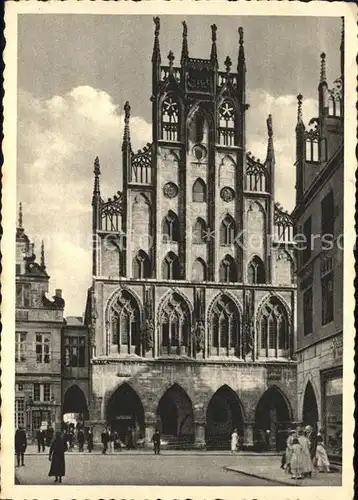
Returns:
(76, 71)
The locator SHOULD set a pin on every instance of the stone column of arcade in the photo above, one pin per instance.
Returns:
(248, 435)
(200, 434)
(98, 420)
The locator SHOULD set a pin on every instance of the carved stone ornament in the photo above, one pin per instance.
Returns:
(170, 190)
(227, 194)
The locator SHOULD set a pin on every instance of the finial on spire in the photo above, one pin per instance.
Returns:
(171, 58)
(20, 215)
(241, 36)
(270, 150)
(300, 123)
(185, 50)
(97, 173)
(126, 133)
(214, 54)
(241, 65)
(323, 77)
(156, 48)
(228, 64)
(42, 263)
(269, 125)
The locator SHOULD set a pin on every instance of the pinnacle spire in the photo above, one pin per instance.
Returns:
(184, 50)
(97, 173)
(323, 76)
(270, 149)
(241, 65)
(43, 265)
(156, 48)
(20, 216)
(214, 52)
(126, 133)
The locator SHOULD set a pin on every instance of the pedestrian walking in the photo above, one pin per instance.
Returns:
(234, 441)
(57, 457)
(111, 440)
(287, 456)
(90, 440)
(130, 441)
(49, 435)
(117, 441)
(156, 442)
(304, 441)
(104, 439)
(321, 457)
(20, 445)
(267, 439)
(80, 439)
(40, 438)
(296, 459)
(70, 438)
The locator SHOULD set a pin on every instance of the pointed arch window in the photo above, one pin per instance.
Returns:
(225, 328)
(171, 229)
(199, 191)
(256, 271)
(125, 324)
(170, 267)
(170, 119)
(227, 124)
(141, 266)
(199, 270)
(227, 231)
(175, 326)
(199, 231)
(227, 270)
(274, 329)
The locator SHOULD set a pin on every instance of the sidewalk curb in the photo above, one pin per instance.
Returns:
(257, 476)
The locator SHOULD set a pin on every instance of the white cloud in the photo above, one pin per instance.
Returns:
(59, 138)
(284, 118)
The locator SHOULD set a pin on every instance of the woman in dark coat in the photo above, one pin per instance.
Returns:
(57, 458)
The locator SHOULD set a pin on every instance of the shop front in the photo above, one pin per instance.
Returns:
(332, 404)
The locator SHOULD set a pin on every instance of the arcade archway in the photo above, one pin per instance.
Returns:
(272, 419)
(224, 414)
(310, 407)
(74, 408)
(175, 417)
(125, 413)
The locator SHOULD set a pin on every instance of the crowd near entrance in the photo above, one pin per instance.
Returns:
(224, 414)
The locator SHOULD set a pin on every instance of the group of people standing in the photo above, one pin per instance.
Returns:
(305, 450)
(111, 440)
(44, 437)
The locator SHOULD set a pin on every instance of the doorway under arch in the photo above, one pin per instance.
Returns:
(310, 407)
(224, 414)
(74, 406)
(125, 413)
(175, 418)
(273, 414)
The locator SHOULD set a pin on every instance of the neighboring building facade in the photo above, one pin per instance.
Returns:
(319, 212)
(37, 340)
(191, 309)
(75, 370)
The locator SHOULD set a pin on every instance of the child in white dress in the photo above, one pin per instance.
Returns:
(321, 456)
(296, 459)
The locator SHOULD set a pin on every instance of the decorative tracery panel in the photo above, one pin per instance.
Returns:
(225, 327)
